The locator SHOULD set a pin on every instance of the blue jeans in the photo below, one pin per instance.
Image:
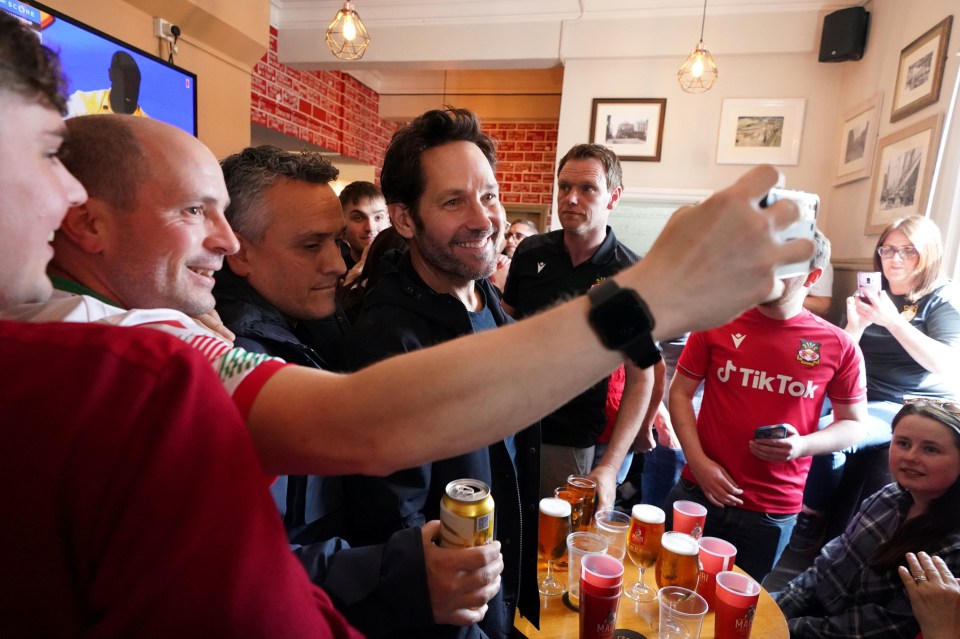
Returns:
(826, 471)
(759, 537)
(661, 472)
(600, 449)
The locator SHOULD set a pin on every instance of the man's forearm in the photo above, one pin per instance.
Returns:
(309, 421)
(636, 399)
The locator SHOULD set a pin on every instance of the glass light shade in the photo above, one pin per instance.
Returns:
(699, 72)
(346, 35)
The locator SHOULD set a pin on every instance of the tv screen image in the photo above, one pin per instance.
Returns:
(105, 75)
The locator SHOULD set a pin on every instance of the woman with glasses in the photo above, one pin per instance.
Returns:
(910, 338)
(854, 587)
(910, 333)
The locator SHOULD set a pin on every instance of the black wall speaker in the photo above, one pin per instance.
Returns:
(844, 35)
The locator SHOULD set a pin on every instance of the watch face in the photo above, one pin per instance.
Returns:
(622, 318)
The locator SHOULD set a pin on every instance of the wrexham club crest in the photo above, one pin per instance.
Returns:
(809, 353)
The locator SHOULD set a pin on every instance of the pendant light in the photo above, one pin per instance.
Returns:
(346, 35)
(699, 72)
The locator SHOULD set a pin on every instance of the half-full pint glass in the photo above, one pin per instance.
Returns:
(679, 563)
(588, 488)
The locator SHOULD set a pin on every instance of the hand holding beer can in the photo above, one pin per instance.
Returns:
(466, 514)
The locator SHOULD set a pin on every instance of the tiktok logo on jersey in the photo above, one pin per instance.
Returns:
(762, 380)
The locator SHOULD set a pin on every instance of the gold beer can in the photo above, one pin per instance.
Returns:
(466, 514)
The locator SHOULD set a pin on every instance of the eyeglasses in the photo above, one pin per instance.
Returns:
(948, 405)
(905, 252)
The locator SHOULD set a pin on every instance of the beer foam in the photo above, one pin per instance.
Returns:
(679, 543)
(648, 514)
(554, 507)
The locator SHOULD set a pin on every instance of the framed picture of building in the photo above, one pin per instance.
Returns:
(920, 73)
(858, 137)
(632, 127)
(902, 173)
(764, 131)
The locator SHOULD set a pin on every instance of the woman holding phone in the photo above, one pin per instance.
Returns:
(909, 333)
(854, 588)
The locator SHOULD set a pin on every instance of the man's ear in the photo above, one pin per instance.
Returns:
(240, 261)
(615, 198)
(84, 225)
(402, 219)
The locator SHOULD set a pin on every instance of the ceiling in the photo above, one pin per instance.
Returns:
(453, 26)
(518, 47)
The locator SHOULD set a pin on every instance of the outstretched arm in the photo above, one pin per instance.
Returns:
(428, 405)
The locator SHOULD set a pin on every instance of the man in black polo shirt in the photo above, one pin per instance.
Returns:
(566, 263)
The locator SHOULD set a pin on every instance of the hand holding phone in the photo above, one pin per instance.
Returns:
(868, 281)
(776, 431)
(803, 228)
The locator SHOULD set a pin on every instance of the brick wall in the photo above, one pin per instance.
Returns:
(333, 110)
(527, 153)
(327, 108)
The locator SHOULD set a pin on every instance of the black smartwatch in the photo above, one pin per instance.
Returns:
(622, 321)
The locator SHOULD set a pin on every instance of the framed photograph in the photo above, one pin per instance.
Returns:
(921, 71)
(858, 138)
(632, 127)
(760, 131)
(902, 173)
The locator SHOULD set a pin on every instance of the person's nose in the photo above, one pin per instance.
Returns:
(222, 238)
(480, 217)
(330, 260)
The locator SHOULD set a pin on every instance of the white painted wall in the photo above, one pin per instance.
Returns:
(690, 131)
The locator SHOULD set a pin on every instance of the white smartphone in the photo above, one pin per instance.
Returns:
(804, 228)
(868, 281)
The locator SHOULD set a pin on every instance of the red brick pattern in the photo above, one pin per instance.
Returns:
(333, 110)
(527, 153)
(327, 108)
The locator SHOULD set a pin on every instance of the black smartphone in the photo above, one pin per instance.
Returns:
(777, 431)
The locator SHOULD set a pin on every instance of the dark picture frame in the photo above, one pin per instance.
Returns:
(902, 173)
(631, 127)
(920, 72)
(858, 137)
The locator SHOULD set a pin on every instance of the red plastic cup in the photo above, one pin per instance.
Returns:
(735, 605)
(716, 555)
(601, 571)
(689, 517)
(601, 582)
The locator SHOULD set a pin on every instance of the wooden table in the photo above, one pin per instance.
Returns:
(557, 621)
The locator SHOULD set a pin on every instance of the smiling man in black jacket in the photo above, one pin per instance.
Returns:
(443, 197)
(276, 294)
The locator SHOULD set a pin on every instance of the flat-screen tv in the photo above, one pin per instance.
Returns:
(105, 75)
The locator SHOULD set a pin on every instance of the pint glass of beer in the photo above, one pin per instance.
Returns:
(588, 488)
(554, 526)
(679, 563)
(575, 500)
(643, 547)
